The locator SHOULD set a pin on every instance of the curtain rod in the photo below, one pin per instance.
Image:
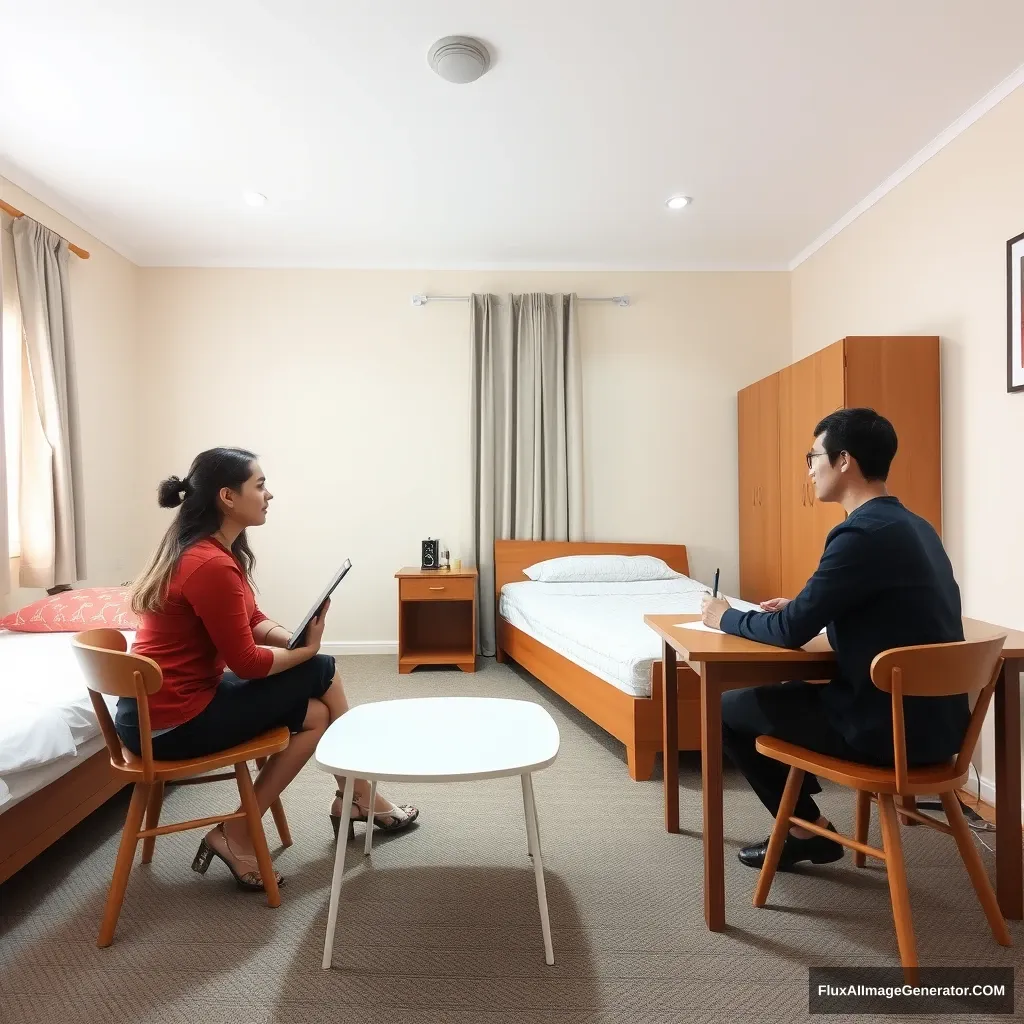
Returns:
(422, 300)
(7, 208)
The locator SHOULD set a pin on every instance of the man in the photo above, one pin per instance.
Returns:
(883, 581)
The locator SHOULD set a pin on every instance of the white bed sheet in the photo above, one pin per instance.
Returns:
(46, 715)
(19, 785)
(600, 626)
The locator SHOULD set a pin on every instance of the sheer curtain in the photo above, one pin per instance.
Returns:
(10, 407)
(527, 422)
(48, 524)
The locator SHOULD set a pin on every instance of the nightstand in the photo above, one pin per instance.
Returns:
(436, 618)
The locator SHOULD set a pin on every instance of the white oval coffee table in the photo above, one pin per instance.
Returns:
(439, 739)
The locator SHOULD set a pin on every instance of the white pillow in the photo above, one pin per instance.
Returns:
(601, 569)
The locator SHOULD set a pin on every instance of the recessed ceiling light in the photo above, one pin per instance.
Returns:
(255, 199)
(678, 202)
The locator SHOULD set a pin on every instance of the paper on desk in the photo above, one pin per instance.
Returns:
(698, 626)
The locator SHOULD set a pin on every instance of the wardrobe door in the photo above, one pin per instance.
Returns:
(808, 391)
(900, 378)
(758, 431)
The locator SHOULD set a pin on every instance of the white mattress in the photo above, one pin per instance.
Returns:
(46, 717)
(600, 626)
(19, 785)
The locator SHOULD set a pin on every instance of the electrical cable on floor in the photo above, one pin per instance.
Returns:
(974, 820)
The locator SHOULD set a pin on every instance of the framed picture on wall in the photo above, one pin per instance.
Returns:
(1014, 314)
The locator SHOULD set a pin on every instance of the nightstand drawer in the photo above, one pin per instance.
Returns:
(444, 588)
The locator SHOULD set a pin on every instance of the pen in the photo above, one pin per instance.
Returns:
(715, 592)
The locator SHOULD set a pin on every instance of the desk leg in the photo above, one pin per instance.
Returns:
(714, 826)
(1009, 851)
(670, 736)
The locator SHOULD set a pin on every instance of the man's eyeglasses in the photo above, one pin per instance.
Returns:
(812, 455)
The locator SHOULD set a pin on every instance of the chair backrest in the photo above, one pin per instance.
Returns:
(939, 670)
(110, 670)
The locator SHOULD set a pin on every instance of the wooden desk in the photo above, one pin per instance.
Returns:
(726, 662)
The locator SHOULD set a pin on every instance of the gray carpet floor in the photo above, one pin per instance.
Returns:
(441, 924)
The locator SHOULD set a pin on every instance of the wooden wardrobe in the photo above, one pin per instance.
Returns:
(782, 525)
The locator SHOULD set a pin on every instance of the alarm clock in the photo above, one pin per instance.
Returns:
(430, 555)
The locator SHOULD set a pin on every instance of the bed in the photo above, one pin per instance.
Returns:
(54, 765)
(588, 643)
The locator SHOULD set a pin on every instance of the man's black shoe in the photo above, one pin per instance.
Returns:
(816, 849)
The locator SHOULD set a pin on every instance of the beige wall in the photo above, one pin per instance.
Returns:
(930, 258)
(104, 292)
(357, 402)
(358, 405)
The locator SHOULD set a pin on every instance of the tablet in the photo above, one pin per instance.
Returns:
(297, 636)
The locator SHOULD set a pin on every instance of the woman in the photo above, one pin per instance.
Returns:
(198, 615)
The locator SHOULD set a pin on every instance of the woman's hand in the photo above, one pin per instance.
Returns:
(315, 630)
(775, 604)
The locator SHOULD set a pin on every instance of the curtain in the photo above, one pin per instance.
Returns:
(527, 422)
(5, 565)
(52, 554)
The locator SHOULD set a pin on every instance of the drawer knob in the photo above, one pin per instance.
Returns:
(437, 588)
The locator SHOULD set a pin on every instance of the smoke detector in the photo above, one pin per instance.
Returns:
(459, 59)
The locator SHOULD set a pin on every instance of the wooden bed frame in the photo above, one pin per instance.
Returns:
(32, 825)
(636, 721)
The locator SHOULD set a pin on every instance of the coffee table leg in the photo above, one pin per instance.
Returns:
(533, 838)
(369, 818)
(339, 869)
(529, 839)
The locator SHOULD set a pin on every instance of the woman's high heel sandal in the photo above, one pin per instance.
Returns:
(248, 880)
(402, 816)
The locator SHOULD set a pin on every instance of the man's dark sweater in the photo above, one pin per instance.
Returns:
(883, 581)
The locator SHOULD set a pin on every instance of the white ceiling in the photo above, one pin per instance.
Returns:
(146, 122)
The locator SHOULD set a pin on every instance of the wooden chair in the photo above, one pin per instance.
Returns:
(926, 671)
(110, 670)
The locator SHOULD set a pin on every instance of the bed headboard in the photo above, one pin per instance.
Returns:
(511, 557)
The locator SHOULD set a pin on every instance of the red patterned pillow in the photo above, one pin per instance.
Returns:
(71, 611)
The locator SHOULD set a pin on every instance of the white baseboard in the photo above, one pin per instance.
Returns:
(988, 791)
(340, 647)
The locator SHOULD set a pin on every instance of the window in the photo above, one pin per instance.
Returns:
(13, 349)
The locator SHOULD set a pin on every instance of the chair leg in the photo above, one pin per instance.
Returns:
(860, 827)
(281, 822)
(277, 810)
(898, 891)
(156, 802)
(975, 868)
(254, 820)
(123, 864)
(790, 795)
